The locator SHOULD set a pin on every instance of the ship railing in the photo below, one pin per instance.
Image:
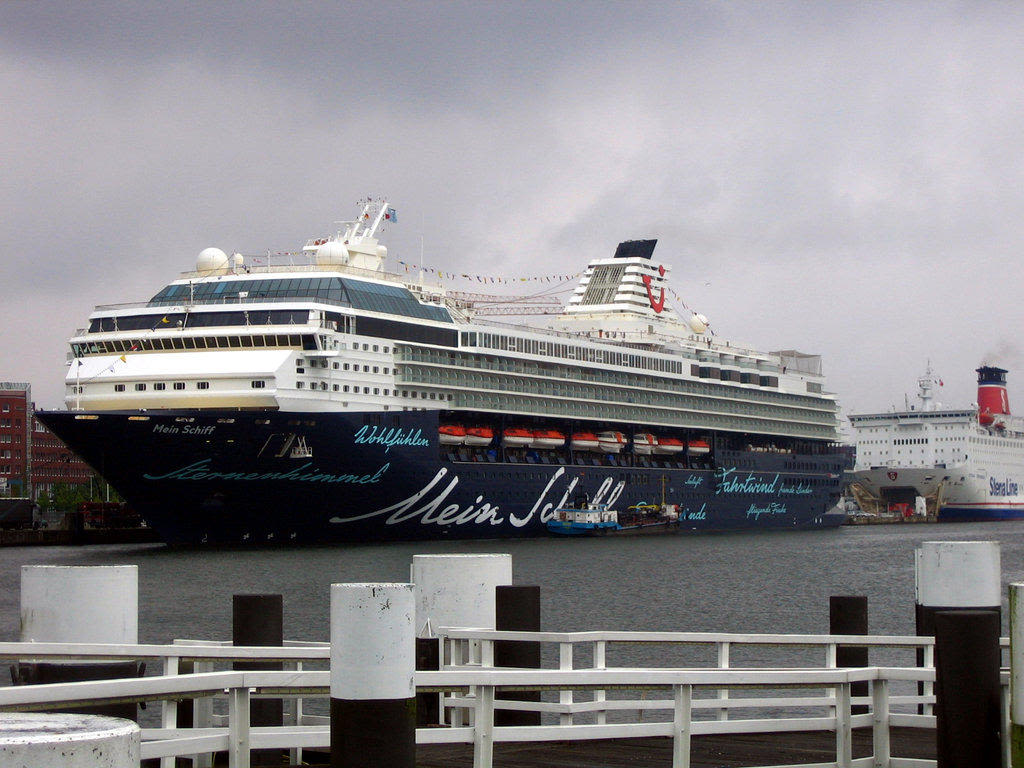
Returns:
(654, 701)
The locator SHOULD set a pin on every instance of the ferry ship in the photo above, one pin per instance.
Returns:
(967, 463)
(316, 397)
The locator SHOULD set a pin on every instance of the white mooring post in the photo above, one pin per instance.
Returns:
(953, 575)
(373, 661)
(80, 604)
(458, 591)
(33, 740)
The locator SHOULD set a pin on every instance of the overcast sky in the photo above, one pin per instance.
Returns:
(839, 178)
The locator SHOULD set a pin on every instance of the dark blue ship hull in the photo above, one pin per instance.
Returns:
(239, 476)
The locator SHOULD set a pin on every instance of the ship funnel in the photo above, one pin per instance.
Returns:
(992, 399)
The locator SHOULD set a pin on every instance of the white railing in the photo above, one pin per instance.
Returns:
(820, 696)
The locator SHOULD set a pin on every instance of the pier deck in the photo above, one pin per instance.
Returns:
(707, 751)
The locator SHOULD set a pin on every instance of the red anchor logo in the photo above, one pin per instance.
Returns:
(659, 304)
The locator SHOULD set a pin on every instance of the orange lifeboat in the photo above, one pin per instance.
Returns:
(548, 438)
(451, 434)
(479, 437)
(611, 442)
(516, 437)
(698, 448)
(644, 444)
(583, 441)
(669, 445)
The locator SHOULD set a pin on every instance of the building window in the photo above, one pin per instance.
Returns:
(140, 387)
(202, 385)
(119, 387)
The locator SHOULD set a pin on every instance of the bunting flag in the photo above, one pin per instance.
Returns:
(445, 275)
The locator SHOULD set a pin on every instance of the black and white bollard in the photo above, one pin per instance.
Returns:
(954, 576)
(373, 704)
(452, 591)
(34, 740)
(259, 620)
(848, 615)
(80, 604)
(967, 689)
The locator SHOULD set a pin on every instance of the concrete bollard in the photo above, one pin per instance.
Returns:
(967, 690)
(452, 591)
(457, 590)
(517, 608)
(33, 740)
(259, 620)
(954, 575)
(373, 704)
(848, 615)
(80, 604)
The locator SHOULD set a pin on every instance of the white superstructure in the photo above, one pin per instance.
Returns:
(335, 332)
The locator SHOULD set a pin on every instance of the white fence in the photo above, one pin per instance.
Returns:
(820, 696)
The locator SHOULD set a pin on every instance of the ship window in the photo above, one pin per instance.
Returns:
(335, 387)
(160, 386)
(202, 385)
(345, 388)
(323, 386)
(300, 385)
(140, 387)
(346, 366)
(335, 366)
(257, 383)
(366, 390)
(376, 390)
(119, 387)
(246, 341)
(375, 348)
(376, 369)
(179, 385)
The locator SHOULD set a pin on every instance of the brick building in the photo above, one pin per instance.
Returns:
(32, 459)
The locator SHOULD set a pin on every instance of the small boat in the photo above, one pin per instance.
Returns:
(587, 520)
(669, 445)
(517, 437)
(583, 441)
(548, 438)
(611, 442)
(451, 434)
(698, 448)
(479, 437)
(644, 444)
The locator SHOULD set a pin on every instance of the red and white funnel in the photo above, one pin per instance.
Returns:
(992, 399)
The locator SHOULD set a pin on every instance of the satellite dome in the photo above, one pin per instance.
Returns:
(332, 252)
(211, 259)
(698, 323)
(238, 260)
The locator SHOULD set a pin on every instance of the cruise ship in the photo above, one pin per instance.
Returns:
(317, 397)
(966, 463)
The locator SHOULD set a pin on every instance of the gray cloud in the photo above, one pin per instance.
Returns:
(839, 178)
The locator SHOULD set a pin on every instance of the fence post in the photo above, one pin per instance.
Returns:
(723, 663)
(880, 722)
(844, 732)
(238, 727)
(1016, 676)
(682, 718)
(565, 696)
(373, 667)
(483, 727)
(601, 662)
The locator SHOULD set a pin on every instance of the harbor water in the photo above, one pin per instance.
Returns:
(739, 582)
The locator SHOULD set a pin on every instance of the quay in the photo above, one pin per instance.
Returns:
(476, 693)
